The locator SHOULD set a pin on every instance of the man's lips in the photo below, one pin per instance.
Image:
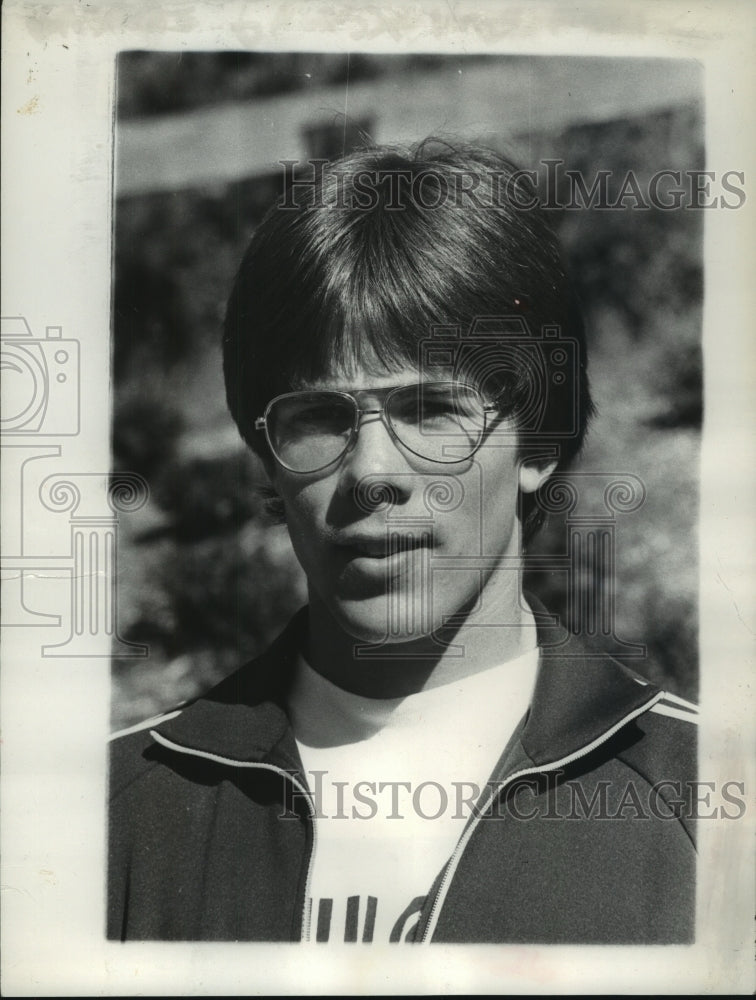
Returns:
(368, 564)
(381, 546)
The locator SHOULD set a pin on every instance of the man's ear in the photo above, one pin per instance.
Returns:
(534, 474)
(269, 465)
(272, 502)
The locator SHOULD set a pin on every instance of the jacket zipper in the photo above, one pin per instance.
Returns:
(305, 792)
(463, 841)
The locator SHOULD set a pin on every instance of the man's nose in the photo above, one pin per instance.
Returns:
(375, 468)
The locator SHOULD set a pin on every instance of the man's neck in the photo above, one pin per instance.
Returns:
(397, 669)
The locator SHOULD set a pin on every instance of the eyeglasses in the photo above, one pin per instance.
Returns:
(308, 431)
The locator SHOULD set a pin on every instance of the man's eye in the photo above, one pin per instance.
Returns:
(433, 409)
(322, 415)
(414, 408)
(438, 408)
(449, 408)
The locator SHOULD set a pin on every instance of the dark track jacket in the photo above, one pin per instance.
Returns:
(583, 833)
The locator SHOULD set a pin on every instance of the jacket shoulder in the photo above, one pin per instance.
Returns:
(128, 752)
(666, 756)
(668, 751)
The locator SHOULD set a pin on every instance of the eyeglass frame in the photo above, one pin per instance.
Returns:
(260, 423)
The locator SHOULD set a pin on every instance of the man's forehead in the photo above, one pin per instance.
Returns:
(368, 369)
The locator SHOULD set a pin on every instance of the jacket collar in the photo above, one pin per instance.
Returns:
(580, 696)
(243, 718)
(581, 693)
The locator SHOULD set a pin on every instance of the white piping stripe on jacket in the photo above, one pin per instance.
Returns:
(156, 720)
(675, 713)
(676, 700)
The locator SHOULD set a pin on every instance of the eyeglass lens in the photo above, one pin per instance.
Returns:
(441, 422)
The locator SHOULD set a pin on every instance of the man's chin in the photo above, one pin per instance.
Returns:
(376, 621)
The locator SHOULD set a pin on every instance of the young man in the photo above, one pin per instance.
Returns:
(420, 756)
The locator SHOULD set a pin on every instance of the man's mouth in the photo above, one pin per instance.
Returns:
(372, 564)
(390, 543)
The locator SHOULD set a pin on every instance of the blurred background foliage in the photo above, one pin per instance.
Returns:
(204, 578)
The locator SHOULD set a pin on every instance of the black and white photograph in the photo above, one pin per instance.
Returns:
(376, 562)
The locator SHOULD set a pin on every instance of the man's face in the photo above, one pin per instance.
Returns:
(393, 544)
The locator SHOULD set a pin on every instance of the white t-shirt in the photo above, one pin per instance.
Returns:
(394, 782)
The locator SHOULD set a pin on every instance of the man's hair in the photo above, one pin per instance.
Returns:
(361, 261)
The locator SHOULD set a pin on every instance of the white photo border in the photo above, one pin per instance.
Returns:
(58, 106)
